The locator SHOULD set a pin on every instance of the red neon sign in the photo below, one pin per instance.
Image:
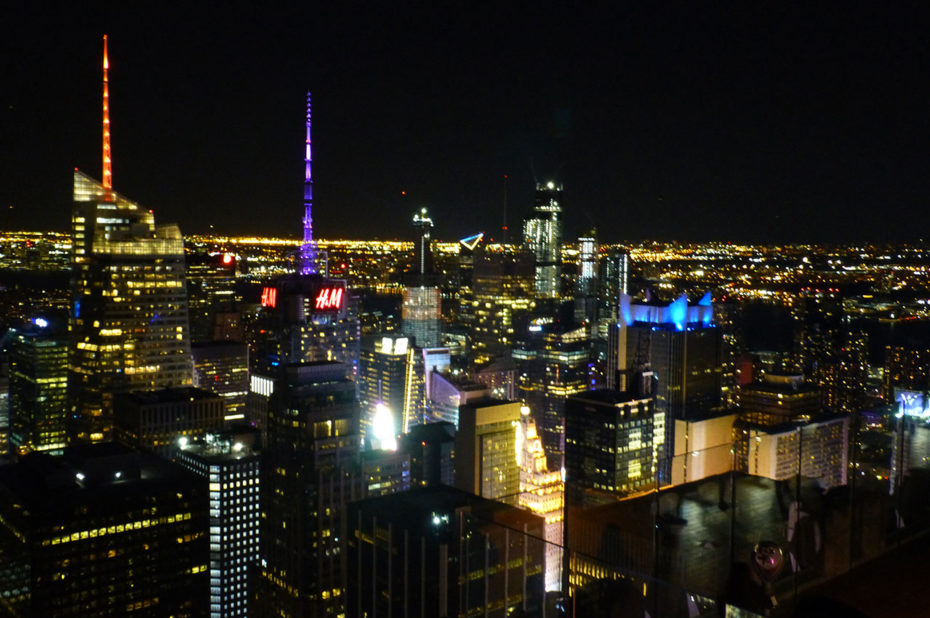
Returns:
(329, 298)
(269, 297)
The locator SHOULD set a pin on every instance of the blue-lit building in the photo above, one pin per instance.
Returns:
(679, 344)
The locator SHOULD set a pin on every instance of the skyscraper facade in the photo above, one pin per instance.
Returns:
(486, 450)
(129, 322)
(38, 388)
(421, 312)
(553, 363)
(102, 531)
(386, 377)
(223, 367)
(312, 451)
(305, 318)
(680, 346)
(542, 234)
(608, 445)
(502, 291)
(230, 467)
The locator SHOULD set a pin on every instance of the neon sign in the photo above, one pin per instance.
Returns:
(329, 298)
(269, 297)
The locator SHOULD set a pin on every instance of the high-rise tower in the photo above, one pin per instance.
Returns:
(308, 248)
(542, 233)
(129, 322)
(422, 310)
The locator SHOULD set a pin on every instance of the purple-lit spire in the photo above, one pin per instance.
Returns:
(308, 248)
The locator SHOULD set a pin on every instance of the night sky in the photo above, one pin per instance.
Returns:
(758, 121)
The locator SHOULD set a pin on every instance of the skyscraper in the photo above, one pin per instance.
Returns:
(608, 444)
(586, 288)
(129, 319)
(679, 344)
(386, 367)
(305, 318)
(223, 367)
(229, 465)
(553, 361)
(542, 492)
(38, 388)
(421, 311)
(103, 531)
(503, 288)
(312, 452)
(486, 450)
(542, 234)
(439, 551)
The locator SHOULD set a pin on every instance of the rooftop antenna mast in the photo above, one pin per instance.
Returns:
(107, 171)
(308, 248)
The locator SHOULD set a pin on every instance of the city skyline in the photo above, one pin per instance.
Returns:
(783, 123)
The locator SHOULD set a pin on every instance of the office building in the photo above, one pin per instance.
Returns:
(431, 449)
(310, 474)
(229, 464)
(211, 292)
(387, 380)
(129, 319)
(502, 294)
(817, 448)
(486, 450)
(613, 280)
(385, 472)
(222, 367)
(609, 445)
(156, 420)
(679, 344)
(542, 234)
(38, 388)
(542, 492)
(500, 377)
(448, 393)
(586, 283)
(554, 364)
(421, 311)
(779, 398)
(305, 318)
(439, 551)
(103, 531)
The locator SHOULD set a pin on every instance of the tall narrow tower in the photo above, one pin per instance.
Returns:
(129, 323)
(308, 249)
(107, 172)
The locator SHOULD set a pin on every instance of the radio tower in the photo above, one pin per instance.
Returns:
(308, 248)
(107, 172)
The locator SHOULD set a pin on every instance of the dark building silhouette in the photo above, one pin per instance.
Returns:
(103, 531)
(438, 551)
(431, 448)
(311, 457)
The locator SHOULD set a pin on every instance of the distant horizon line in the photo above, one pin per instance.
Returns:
(296, 240)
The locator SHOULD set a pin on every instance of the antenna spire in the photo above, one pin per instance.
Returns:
(308, 249)
(107, 171)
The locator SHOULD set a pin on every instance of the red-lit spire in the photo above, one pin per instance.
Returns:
(107, 172)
